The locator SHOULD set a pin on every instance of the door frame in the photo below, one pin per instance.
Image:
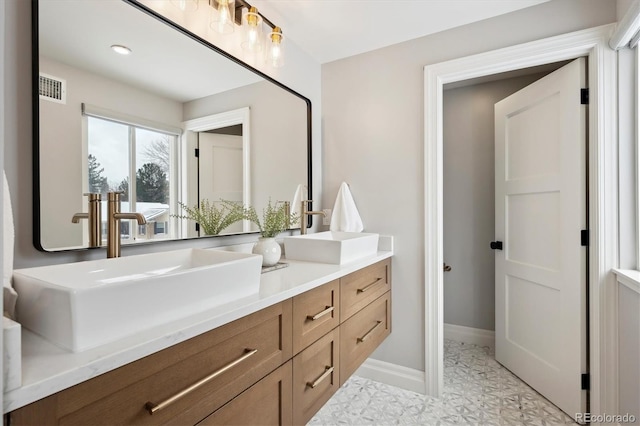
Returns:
(602, 186)
(189, 175)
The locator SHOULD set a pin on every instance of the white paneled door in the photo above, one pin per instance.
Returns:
(220, 170)
(541, 274)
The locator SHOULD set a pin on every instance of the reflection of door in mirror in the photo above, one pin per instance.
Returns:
(220, 168)
(221, 171)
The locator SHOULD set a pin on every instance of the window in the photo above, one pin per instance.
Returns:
(139, 162)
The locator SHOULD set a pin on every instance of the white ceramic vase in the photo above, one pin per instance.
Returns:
(269, 249)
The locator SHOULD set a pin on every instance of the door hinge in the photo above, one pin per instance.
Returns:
(585, 381)
(584, 96)
(197, 152)
(197, 227)
(584, 238)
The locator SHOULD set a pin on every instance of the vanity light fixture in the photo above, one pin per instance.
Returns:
(122, 50)
(185, 5)
(275, 52)
(223, 16)
(225, 12)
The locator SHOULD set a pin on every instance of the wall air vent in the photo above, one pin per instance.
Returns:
(53, 88)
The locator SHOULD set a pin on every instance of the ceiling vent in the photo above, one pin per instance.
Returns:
(53, 88)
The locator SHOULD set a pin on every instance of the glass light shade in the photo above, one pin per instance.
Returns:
(223, 16)
(185, 5)
(275, 48)
(252, 40)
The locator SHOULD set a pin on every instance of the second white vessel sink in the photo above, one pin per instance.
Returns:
(331, 247)
(82, 305)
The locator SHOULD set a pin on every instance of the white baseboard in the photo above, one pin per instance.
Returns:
(475, 336)
(392, 374)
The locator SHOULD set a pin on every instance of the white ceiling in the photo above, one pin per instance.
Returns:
(333, 29)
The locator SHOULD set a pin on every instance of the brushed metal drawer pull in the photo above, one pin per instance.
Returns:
(328, 370)
(366, 336)
(362, 290)
(153, 408)
(321, 314)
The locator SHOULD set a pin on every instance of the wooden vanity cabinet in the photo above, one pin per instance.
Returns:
(276, 366)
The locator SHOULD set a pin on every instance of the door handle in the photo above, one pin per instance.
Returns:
(496, 245)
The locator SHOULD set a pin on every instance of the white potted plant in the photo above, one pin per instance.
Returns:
(275, 219)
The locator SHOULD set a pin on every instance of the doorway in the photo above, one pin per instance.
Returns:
(469, 202)
(602, 174)
(531, 186)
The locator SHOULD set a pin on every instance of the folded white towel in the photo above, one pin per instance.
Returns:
(345, 216)
(9, 294)
(298, 197)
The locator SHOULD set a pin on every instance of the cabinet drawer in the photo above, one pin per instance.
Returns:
(268, 402)
(119, 397)
(361, 334)
(362, 287)
(315, 376)
(315, 313)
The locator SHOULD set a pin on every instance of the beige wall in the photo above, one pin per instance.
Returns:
(373, 138)
(61, 144)
(469, 200)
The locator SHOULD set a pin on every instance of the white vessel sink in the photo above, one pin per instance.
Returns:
(331, 247)
(82, 305)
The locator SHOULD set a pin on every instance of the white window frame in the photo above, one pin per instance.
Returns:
(137, 122)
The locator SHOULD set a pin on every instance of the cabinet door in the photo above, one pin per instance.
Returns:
(362, 287)
(315, 313)
(361, 334)
(268, 402)
(316, 376)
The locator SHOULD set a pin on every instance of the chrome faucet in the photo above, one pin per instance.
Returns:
(304, 213)
(94, 218)
(113, 223)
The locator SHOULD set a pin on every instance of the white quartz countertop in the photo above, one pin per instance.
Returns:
(47, 369)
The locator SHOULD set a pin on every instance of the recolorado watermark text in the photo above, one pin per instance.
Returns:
(605, 418)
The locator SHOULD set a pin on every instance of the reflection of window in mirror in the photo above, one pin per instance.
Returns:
(140, 163)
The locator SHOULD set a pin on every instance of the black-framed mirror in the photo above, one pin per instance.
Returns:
(178, 120)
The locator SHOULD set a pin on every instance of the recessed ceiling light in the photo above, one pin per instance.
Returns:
(123, 50)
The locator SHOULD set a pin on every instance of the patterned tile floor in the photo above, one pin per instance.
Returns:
(478, 391)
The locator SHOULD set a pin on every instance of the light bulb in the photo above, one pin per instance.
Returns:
(253, 36)
(275, 51)
(222, 18)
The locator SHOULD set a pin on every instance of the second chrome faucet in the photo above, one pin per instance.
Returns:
(114, 215)
(305, 213)
(94, 219)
